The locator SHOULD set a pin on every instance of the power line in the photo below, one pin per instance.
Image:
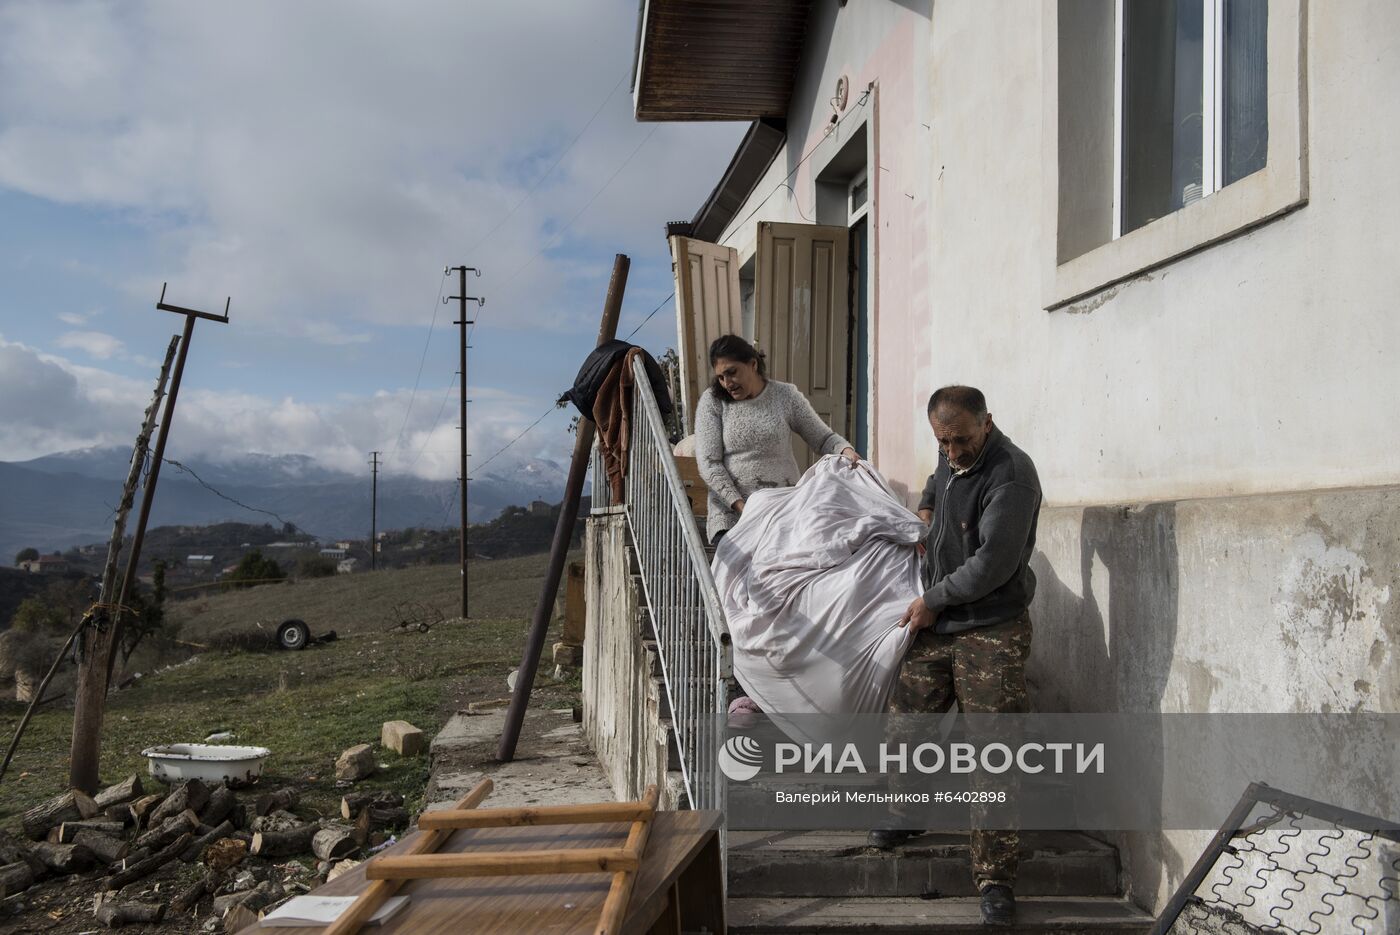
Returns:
(783, 183)
(437, 302)
(658, 308)
(219, 493)
(559, 234)
(441, 409)
(540, 181)
(517, 438)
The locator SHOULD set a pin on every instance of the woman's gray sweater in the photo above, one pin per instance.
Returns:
(745, 445)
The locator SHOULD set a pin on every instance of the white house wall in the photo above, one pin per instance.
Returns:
(1217, 438)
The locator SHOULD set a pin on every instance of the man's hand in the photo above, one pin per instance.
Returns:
(851, 454)
(918, 616)
(738, 506)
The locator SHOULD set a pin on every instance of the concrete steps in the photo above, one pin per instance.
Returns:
(1102, 915)
(793, 882)
(840, 864)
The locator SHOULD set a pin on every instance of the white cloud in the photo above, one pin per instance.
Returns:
(92, 343)
(50, 404)
(329, 175)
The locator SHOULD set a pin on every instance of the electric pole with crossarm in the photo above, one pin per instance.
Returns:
(462, 323)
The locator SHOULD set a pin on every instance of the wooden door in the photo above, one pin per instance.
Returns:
(707, 306)
(801, 320)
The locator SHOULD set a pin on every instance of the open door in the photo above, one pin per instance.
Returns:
(707, 306)
(801, 318)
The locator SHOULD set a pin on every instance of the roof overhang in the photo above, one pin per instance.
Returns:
(717, 59)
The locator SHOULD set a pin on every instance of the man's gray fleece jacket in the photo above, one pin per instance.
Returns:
(976, 564)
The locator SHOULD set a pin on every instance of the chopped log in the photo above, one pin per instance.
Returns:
(352, 803)
(220, 805)
(104, 847)
(196, 848)
(11, 852)
(141, 808)
(114, 914)
(132, 858)
(68, 831)
(221, 855)
(71, 806)
(124, 791)
(64, 858)
(344, 867)
(16, 878)
(168, 830)
(283, 843)
(144, 868)
(333, 843)
(382, 818)
(271, 801)
(237, 919)
(190, 794)
(121, 813)
(190, 896)
(361, 830)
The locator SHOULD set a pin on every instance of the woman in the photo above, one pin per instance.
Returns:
(742, 432)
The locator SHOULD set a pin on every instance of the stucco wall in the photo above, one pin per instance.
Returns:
(1280, 603)
(1243, 396)
(621, 700)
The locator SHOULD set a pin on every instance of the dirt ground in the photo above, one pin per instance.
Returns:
(64, 905)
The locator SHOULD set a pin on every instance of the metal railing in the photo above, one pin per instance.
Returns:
(601, 497)
(692, 637)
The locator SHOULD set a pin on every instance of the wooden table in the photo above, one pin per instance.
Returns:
(679, 887)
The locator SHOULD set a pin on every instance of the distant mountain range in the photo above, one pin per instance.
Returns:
(66, 499)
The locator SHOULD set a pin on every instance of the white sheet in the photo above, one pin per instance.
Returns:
(813, 580)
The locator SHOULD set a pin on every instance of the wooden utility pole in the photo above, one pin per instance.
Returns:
(97, 653)
(373, 508)
(114, 546)
(563, 533)
(462, 322)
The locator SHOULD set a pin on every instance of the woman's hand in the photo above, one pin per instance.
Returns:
(852, 454)
(738, 506)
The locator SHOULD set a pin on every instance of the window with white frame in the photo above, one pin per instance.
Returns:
(1191, 103)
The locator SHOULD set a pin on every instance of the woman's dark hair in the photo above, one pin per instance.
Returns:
(733, 347)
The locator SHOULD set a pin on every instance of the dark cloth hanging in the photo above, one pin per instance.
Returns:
(612, 413)
(584, 393)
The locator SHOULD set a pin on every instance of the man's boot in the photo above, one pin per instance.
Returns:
(998, 904)
(889, 838)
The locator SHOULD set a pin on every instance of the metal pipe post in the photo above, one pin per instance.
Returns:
(563, 534)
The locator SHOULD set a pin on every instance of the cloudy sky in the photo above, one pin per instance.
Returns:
(321, 163)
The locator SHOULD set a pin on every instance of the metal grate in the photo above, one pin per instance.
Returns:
(1286, 865)
(692, 637)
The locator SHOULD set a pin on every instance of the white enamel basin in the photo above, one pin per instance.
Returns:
(207, 762)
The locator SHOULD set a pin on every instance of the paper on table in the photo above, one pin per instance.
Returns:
(323, 910)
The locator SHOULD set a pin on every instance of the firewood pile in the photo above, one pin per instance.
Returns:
(206, 854)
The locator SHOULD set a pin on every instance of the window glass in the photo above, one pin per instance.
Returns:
(1162, 108)
(1246, 91)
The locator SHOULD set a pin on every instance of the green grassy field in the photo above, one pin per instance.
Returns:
(307, 706)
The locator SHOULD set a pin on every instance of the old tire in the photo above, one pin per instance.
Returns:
(293, 634)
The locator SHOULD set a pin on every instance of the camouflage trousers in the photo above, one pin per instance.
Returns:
(984, 672)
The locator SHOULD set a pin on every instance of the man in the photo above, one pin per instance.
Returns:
(973, 631)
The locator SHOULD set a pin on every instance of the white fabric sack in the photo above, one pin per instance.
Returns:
(813, 580)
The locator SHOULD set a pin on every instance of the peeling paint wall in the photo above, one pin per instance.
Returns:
(621, 703)
(1281, 603)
